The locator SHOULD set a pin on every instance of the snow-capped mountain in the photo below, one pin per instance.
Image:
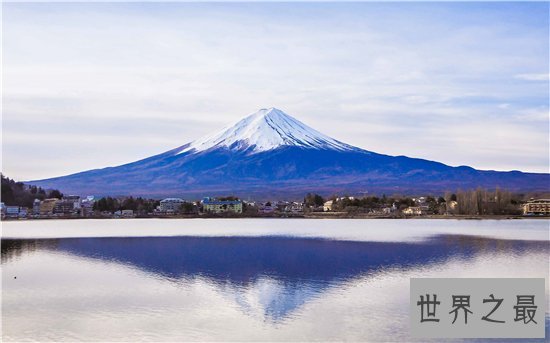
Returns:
(271, 154)
(267, 129)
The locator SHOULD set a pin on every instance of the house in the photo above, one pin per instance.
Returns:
(327, 206)
(127, 213)
(171, 205)
(266, 208)
(295, 207)
(281, 206)
(416, 210)
(451, 206)
(537, 207)
(212, 205)
(249, 203)
(124, 214)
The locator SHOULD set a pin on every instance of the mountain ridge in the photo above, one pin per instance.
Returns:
(269, 153)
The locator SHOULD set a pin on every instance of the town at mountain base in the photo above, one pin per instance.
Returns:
(271, 154)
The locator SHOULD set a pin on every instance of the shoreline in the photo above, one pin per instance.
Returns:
(315, 215)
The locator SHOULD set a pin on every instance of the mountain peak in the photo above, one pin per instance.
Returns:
(266, 111)
(264, 130)
(270, 113)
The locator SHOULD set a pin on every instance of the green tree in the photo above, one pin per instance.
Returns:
(314, 200)
(55, 194)
(18, 194)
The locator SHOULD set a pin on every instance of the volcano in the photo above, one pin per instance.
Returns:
(270, 154)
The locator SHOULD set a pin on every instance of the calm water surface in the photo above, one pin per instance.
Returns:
(245, 280)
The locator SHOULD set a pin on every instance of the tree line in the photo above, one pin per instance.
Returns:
(138, 205)
(478, 201)
(485, 202)
(18, 194)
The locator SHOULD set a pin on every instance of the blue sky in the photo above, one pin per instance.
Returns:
(89, 85)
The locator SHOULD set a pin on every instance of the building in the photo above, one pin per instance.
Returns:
(171, 205)
(87, 206)
(416, 210)
(64, 207)
(23, 212)
(343, 198)
(327, 206)
(537, 207)
(36, 206)
(74, 199)
(12, 211)
(295, 207)
(386, 210)
(266, 208)
(124, 214)
(281, 206)
(47, 206)
(420, 200)
(222, 206)
(451, 206)
(127, 213)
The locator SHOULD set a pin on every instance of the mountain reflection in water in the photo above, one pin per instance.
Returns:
(285, 271)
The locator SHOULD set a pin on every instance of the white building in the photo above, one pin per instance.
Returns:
(171, 204)
(36, 206)
(537, 207)
(75, 199)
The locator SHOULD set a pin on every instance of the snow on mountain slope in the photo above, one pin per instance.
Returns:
(266, 130)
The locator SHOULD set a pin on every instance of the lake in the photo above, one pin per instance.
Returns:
(244, 279)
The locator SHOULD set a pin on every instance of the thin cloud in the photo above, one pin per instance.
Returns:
(392, 78)
(533, 77)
